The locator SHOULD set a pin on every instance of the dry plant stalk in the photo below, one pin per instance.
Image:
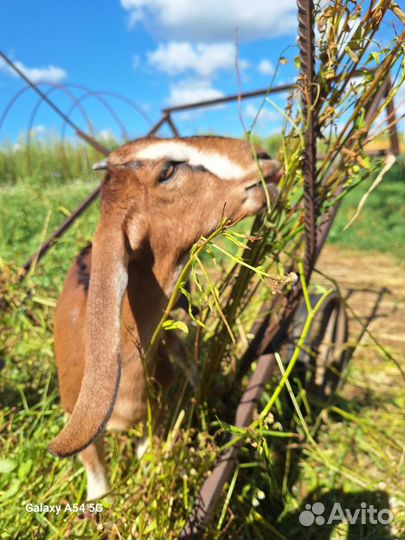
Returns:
(351, 74)
(352, 70)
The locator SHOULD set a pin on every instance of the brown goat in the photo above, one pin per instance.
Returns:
(158, 198)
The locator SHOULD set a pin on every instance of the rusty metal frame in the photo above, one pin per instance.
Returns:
(90, 140)
(262, 348)
(65, 226)
(307, 59)
(166, 118)
(266, 336)
(212, 487)
(228, 99)
(269, 337)
(306, 39)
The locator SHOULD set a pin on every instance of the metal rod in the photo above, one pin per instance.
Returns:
(307, 58)
(60, 231)
(213, 485)
(274, 332)
(154, 129)
(172, 126)
(227, 99)
(92, 142)
(266, 334)
(235, 97)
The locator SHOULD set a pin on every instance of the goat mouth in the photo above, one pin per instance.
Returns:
(256, 185)
(270, 186)
(259, 184)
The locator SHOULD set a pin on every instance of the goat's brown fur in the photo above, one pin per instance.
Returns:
(145, 231)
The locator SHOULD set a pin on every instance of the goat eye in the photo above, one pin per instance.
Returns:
(168, 171)
(263, 156)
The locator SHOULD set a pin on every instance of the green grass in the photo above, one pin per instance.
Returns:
(50, 197)
(381, 224)
(360, 444)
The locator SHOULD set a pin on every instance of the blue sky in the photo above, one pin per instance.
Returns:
(154, 52)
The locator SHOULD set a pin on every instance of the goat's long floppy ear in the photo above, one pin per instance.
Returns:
(108, 281)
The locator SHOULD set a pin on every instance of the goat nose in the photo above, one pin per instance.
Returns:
(271, 169)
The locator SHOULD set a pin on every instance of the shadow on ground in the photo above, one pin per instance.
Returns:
(320, 516)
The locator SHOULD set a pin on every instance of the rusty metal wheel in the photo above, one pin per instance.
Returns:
(325, 352)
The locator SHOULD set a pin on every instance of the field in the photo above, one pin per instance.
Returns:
(358, 451)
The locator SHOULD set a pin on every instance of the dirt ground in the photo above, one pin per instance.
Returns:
(374, 285)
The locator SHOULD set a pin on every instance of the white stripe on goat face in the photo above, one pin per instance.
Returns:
(219, 165)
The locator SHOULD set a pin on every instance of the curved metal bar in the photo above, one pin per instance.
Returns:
(97, 95)
(70, 94)
(11, 103)
(212, 487)
(95, 144)
(106, 105)
(129, 102)
(54, 88)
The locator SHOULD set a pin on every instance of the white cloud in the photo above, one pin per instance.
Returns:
(40, 129)
(39, 132)
(105, 134)
(268, 120)
(266, 67)
(204, 59)
(50, 73)
(191, 90)
(213, 19)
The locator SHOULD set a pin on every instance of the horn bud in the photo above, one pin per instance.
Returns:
(100, 165)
